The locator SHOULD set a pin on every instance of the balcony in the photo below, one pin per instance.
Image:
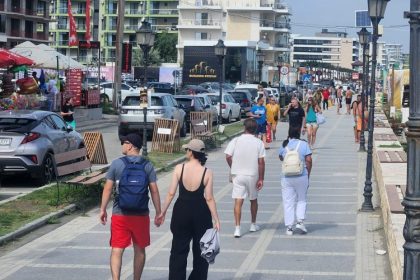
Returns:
(278, 27)
(64, 26)
(164, 12)
(199, 24)
(16, 33)
(133, 12)
(200, 5)
(133, 27)
(164, 27)
(111, 11)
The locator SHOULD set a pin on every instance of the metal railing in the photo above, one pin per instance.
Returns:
(164, 11)
(206, 22)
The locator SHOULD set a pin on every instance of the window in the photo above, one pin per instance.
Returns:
(48, 122)
(59, 123)
(156, 101)
(125, 87)
(201, 36)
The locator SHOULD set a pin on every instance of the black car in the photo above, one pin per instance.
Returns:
(244, 99)
(189, 103)
(192, 89)
(161, 87)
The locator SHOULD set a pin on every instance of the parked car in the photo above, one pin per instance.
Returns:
(215, 87)
(189, 103)
(161, 87)
(244, 99)
(209, 107)
(230, 109)
(28, 141)
(192, 89)
(252, 88)
(107, 90)
(160, 105)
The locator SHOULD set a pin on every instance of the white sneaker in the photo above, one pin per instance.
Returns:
(289, 231)
(300, 226)
(237, 233)
(254, 228)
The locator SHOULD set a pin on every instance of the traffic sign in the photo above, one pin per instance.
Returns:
(307, 78)
(284, 70)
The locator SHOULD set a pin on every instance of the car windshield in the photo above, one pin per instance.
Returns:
(214, 99)
(135, 101)
(186, 102)
(16, 124)
(237, 95)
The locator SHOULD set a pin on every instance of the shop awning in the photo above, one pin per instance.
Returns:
(8, 58)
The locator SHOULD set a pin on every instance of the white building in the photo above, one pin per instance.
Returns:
(244, 26)
(324, 47)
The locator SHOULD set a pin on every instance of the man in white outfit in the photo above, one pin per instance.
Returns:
(245, 156)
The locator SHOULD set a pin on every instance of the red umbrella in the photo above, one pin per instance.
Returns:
(8, 58)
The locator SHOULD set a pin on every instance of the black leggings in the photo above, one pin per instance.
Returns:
(325, 104)
(190, 220)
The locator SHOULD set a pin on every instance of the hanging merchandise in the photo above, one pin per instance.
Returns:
(27, 85)
(7, 85)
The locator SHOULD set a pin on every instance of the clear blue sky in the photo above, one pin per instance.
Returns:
(310, 16)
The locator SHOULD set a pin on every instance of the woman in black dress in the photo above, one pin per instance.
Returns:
(192, 213)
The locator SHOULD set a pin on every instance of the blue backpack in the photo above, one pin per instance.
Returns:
(133, 188)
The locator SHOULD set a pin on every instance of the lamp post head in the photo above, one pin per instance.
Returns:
(145, 35)
(376, 10)
(363, 37)
(260, 56)
(220, 49)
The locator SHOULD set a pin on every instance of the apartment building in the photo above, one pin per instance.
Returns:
(394, 55)
(23, 20)
(162, 14)
(339, 50)
(244, 26)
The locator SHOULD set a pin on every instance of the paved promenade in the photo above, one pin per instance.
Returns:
(341, 242)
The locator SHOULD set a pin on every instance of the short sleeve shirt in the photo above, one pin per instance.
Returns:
(66, 109)
(245, 151)
(114, 174)
(262, 111)
(296, 116)
(304, 151)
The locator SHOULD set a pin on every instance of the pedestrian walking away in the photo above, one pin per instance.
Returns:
(273, 114)
(312, 109)
(259, 112)
(245, 156)
(67, 112)
(356, 107)
(349, 95)
(325, 98)
(339, 99)
(130, 224)
(297, 116)
(192, 213)
(294, 188)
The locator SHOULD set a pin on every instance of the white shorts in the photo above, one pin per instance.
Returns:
(245, 186)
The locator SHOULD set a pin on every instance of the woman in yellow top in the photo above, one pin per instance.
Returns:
(273, 113)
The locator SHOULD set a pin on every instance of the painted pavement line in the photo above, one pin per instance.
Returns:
(303, 272)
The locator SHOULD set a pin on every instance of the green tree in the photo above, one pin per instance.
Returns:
(154, 57)
(166, 46)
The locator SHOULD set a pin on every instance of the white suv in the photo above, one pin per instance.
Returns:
(107, 90)
(161, 106)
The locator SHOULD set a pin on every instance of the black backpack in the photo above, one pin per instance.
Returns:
(133, 188)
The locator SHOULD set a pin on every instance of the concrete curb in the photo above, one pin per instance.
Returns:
(72, 207)
(35, 224)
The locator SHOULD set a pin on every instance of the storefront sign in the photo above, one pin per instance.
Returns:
(127, 50)
(200, 65)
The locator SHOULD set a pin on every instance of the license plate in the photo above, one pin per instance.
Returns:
(5, 141)
(136, 112)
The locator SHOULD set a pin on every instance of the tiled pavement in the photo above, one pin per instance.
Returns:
(340, 244)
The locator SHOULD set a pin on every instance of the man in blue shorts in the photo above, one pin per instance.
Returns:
(259, 113)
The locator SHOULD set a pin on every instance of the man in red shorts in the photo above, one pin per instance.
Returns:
(128, 226)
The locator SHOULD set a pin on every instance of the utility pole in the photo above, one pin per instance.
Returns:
(118, 45)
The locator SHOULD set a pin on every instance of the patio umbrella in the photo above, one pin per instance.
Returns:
(8, 58)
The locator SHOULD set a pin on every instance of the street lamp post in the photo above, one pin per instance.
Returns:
(364, 41)
(376, 10)
(145, 39)
(412, 197)
(260, 60)
(220, 52)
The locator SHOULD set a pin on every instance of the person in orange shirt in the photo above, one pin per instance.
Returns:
(273, 113)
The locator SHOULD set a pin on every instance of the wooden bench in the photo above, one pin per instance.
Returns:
(75, 161)
(394, 200)
(200, 130)
(392, 156)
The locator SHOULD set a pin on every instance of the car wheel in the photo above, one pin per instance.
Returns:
(47, 171)
(239, 116)
(229, 118)
(104, 98)
(183, 131)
